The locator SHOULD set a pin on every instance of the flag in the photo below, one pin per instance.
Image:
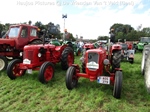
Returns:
(64, 16)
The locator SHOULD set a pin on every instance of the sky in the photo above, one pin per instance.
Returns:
(87, 18)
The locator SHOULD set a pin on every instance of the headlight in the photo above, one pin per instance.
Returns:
(21, 54)
(39, 54)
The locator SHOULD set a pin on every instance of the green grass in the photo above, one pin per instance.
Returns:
(27, 94)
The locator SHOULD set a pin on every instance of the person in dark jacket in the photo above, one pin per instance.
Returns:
(112, 36)
(67, 35)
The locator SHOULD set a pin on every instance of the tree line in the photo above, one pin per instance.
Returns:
(125, 31)
(122, 31)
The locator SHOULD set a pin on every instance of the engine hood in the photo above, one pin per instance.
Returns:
(10, 42)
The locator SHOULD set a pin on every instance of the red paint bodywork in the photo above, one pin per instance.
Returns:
(88, 46)
(102, 55)
(50, 53)
(130, 45)
(114, 47)
(12, 46)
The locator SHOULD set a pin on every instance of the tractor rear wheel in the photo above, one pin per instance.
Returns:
(13, 69)
(147, 73)
(67, 58)
(36, 42)
(116, 59)
(144, 58)
(46, 72)
(3, 63)
(71, 78)
(117, 84)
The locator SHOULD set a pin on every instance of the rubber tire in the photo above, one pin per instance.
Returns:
(10, 67)
(3, 60)
(116, 60)
(70, 44)
(64, 58)
(117, 84)
(42, 70)
(71, 79)
(131, 60)
(147, 73)
(144, 58)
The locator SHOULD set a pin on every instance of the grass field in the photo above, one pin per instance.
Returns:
(27, 94)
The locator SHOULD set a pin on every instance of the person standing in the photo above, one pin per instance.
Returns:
(66, 35)
(112, 36)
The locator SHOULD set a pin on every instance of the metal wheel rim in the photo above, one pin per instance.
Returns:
(2, 64)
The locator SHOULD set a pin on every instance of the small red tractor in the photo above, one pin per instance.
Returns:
(88, 46)
(16, 38)
(41, 57)
(95, 63)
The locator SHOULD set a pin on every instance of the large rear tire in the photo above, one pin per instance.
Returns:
(46, 72)
(67, 58)
(71, 78)
(144, 58)
(3, 63)
(116, 59)
(117, 84)
(147, 73)
(13, 69)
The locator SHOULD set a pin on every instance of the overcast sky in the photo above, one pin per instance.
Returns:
(87, 18)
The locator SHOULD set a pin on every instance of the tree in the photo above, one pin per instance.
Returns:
(102, 38)
(146, 31)
(1, 29)
(122, 28)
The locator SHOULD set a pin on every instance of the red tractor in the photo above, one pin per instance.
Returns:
(41, 57)
(88, 46)
(95, 62)
(16, 38)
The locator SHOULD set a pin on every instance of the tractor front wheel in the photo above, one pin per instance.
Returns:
(46, 72)
(3, 63)
(131, 60)
(13, 69)
(147, 73)
(67, 58)
(71, 78)
(117, 84)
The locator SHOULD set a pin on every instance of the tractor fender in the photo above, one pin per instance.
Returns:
(76, 66)
(60, 48)
(35, 39)
(116, 47)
